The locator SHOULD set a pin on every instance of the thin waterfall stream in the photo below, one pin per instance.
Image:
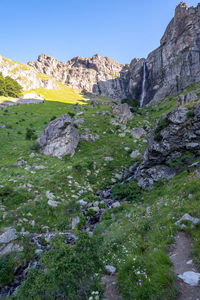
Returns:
(143, 85)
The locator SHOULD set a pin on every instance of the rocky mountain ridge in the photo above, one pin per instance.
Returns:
(26, 76)
(99, 75)
(168, 69)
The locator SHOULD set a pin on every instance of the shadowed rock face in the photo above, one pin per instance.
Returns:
(176, 63)
(59, 138)
(170, 148)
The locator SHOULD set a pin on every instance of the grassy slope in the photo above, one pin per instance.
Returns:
(130, 243)
(62, 93)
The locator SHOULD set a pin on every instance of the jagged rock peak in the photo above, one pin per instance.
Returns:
(97, 74)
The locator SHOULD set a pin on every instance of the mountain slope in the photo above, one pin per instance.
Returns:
(168, 69)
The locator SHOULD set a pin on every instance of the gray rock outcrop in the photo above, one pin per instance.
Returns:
(60, 137)
(174, 143)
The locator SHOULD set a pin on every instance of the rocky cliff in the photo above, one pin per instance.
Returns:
(100, 75)
(176, 63)
(174, 143)
(168, 69)
(26, 76)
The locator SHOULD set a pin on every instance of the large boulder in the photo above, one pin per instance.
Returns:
(123, 111)
(60, 137)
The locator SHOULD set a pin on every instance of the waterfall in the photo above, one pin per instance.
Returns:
(143, 85)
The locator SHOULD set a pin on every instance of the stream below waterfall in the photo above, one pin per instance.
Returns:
(21, 272)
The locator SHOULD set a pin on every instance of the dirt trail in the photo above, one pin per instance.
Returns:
(181, 257)
(111, 289)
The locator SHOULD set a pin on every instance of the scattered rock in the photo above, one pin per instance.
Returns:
(110, 269)
(190, 278)
(135, 154)
(138, 133)
(9, 235)
(123, 111)
(87, 137)
(108, 158)
(75, 222)
(53, 203)
(187, 217)
(50, 195)
(116, 204)
(10, 248)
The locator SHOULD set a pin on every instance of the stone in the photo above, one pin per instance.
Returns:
(87, 137)
(9, 235)
(123, 111)
(10, 248)
(75, 222)
(190, 278)
(95, 209)
(110, 269)
(53, 203)
(191, 96)
(82, 202)
(50, 195)
(178, 116)
(187, 217)
(108, 158)
(59, 138)
(138, 133)
(116, 204)
(135, 154)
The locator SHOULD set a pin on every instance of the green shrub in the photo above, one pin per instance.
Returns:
(9, 87)
(67, 271)
(131, 191)
(180, 161)
(92, 179)
(190, 114)
(71, 114)
(161, 125)
(11, 197)
(30, 134)
(6, 270)
(53, 118)
(131, 102)
(35, 147)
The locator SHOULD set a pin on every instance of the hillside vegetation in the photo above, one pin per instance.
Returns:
(135, 237)
(9, 87)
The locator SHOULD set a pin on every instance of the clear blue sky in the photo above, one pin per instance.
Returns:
(121, 29)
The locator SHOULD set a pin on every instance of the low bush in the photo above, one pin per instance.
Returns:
(6, 270)
(9, 87)
(67, 271)
(30, 134)
(131, 191)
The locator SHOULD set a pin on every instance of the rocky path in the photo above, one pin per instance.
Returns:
(187, 274)
(111, 291)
